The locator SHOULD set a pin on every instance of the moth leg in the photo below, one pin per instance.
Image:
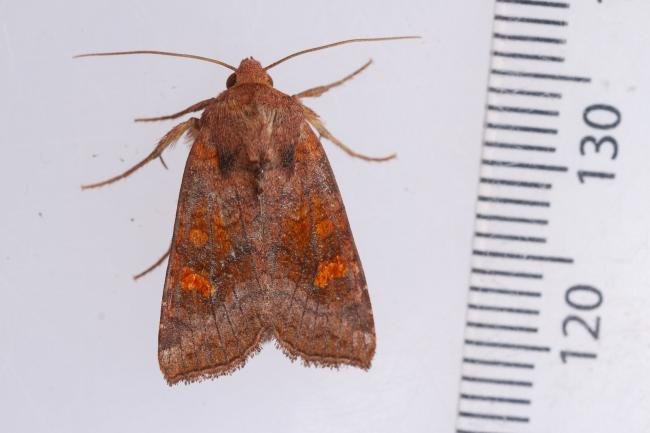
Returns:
(191, 109)
(190, 126)
(154, 266)
(315, 121)
(317, 91)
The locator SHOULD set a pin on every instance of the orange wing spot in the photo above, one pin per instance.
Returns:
(204, 151)
(324, 228)
(327, 271)
(193, 281)
(198, 237)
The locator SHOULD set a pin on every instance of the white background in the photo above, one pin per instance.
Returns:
(78, 336)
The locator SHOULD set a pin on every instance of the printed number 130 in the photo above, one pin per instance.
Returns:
(605, 118)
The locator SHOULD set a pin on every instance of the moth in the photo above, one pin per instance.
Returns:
(261, 248)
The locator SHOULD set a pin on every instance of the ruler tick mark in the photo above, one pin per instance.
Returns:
(494, 398)
(502, 273)
(513, 201)
(503, 218)
(505, 291)
(521, 128)
(549, 4)
(524, 92)
(498, 363)
(525, 165)
(503, 309)
(502, 418)
(514, 346)
(530, 147)
(522, 110)
(517, 238)
(497, 381)
(501, 327)
(518, 256)
(540, 76)
(527, 56)
(529, 20)
(518, 183)
(528, 38)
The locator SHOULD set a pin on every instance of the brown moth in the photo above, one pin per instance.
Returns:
(262, 248)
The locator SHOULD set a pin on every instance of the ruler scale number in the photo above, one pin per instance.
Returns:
(577, 322)
(550, 139)
(590, 144)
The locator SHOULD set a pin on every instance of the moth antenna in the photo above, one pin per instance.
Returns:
(347, 41)
(161, 53)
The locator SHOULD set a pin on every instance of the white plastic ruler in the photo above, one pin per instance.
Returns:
(557, 333)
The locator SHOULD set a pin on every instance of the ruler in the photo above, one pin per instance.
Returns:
(557, 334)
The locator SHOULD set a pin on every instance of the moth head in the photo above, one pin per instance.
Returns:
(249, 71)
